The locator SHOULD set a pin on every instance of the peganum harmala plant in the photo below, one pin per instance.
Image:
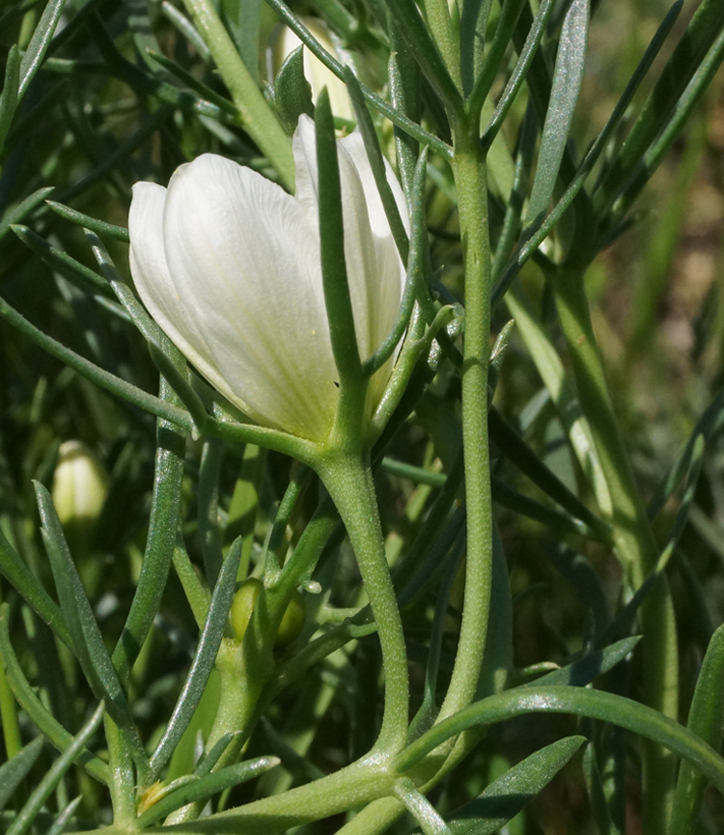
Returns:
(311, 621)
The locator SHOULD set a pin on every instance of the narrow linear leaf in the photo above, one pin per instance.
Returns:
(331, 234)
(20, 210)
(160, 542)
(9, 98)
(119, 233)
(94, 373)
(59, 261)
(512, 445)
(420, 808)
(505, 797)
(59, 824)
(596, 793)
(706, 720)
(204, 787)
(27, 585)
(25, 696)
(87, 641)
(29, 812)
(708, 425)
(203, 663)
(567, 78)
(582, 672)
(520, 72)
(15, 770)
(39, 44)
(579, 701)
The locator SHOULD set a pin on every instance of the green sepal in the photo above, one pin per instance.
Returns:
(292, 91)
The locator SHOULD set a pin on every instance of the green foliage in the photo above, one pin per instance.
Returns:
(492, 591)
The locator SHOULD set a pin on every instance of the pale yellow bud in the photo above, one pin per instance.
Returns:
(80, 487)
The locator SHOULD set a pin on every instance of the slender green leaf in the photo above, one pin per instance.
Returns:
(579, 701)
(512, 445)
(186, 28)
(509, 14)
(9, 98)
(505, 797)
(14, 771)
(61, 821)
(96, 375)
(701, 33)
(596, 793)
(20, 210)
(420, 808)
(331, 235)
(583, 671)
(160, 543)
(87, 641)
(29, 812)
(26, 697)
(567, 78)
(119, 233)
(203, 663)
(204, 787)
(28, 586)
(377, 163)
(39, 44)
(207, 94)
(84, 278)
(415, 265)
(520, 72)
(208, 509)
(706, 719)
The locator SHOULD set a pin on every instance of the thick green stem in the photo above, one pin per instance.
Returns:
(633, 537)
(122, 781)
(471, 183)
(348, 478)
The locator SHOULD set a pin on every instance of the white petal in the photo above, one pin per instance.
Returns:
(374, 268)
(245, 271)
(304, 146)
(150, 271)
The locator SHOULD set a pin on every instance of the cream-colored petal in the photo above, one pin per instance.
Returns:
(244, 265)
(375, 270)
(306, 188)
(150, 271)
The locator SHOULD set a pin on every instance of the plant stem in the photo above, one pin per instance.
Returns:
(471, 182)
(348, 478)
(122, 776)
(633, 538)
(256, 116)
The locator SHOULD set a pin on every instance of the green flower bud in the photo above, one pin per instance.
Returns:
(243, 606)
(292, 622)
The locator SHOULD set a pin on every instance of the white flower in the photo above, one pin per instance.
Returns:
(315, 72)
(228, 264)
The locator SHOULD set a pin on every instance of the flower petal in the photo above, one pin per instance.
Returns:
(244, 264)
(374, 269)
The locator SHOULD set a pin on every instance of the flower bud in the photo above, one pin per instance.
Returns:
(242, 608)
(80, 487)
